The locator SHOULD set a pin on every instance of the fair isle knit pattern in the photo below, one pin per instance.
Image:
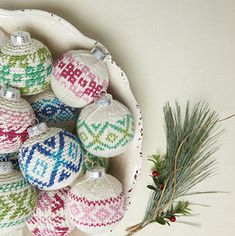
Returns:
(105, 131)
(51, 160)
(91, 161)
(96, 206)
(77, 77)
(49, 217)
(26, 67)
(15, 118)
(17, 201)
(48, 108)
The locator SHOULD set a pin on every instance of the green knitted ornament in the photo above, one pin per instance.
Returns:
(25, 63)
(17, 199)
(106, 127)
(91, 161)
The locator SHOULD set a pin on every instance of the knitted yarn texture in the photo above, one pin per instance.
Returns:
(48, 108)
(26, 66)
(15, 118)
(96, 205)
(17, 201)
(52, 160)
(77, 77)
(105, 131)
(49, 217)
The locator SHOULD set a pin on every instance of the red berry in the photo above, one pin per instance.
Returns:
(161, 186)
(155, 173)
(172, 219)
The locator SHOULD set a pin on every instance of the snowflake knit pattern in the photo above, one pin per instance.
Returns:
(15, 118)
(96, 206)
(48, 108)
(17, 201)
(77, 77)
(52, 160)
(49, 217)
(26, 67)
(105, 131)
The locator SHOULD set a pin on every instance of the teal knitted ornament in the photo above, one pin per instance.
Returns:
(49, 109)
(25, 63)
(17, 200)
(106, 127)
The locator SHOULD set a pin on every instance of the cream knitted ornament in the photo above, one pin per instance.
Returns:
(16, 115)
(105, 127)
(51, 158)
(78, 76)
(96, 203)
(17, 200)
(49, 217)
(48, 108)
(25, 63)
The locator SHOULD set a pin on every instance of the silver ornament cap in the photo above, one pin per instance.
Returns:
(10, 93)
(96, 173)
(99, 53)
(6, 168)
(20, 37)
(104, 100)
(37, 129)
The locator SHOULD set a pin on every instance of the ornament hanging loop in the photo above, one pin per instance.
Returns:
(104, 99)
(10, 93)
(99, 53)
(37, 129)
(96, 173)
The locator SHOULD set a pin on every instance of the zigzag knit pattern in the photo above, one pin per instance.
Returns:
(17, 202)
(49, 218)
(95, 216)
(52, 162)
(100, 138)
(53, 110)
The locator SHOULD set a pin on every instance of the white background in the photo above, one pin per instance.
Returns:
(170, 50)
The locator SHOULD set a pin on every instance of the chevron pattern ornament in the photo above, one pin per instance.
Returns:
(17, 201)
(52, 160)
(106, 139)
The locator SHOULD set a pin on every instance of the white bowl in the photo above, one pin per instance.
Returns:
(60, 36)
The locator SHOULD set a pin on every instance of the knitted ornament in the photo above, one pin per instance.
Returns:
(51, 158)
(16, 115)
(91, 161)
(12, 157)
(96, 203)
(25, 63)
(79, 75)
(105, 127)
(17, 199)
(49, 218)
(48, 108)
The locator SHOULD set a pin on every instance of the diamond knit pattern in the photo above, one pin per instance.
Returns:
(53, 110)
(51, 162)
(100, 138)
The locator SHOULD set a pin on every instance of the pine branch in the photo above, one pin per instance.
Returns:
(191, 143)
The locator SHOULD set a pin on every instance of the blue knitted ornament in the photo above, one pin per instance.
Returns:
(12, 157)
(48, 108)
(51, 158)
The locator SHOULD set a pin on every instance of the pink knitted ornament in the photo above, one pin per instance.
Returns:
(78, 76)
(49, 218)
(96, 203)
(16, 115)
